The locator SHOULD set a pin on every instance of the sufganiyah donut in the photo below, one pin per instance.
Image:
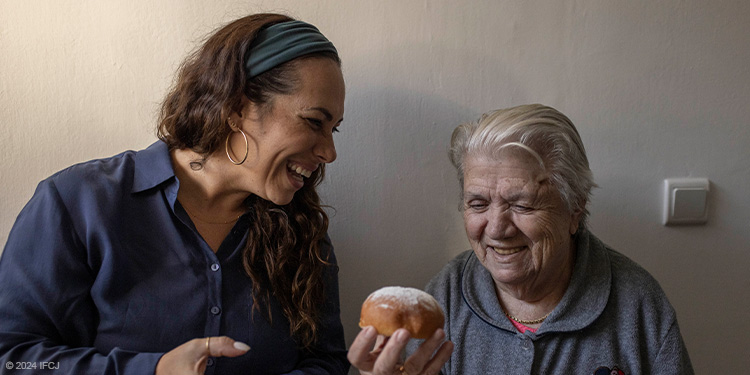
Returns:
(390, 308)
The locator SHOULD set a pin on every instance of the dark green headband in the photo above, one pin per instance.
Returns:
(283, 42)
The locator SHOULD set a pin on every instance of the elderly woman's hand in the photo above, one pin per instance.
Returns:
(191, 357)
(385, 359)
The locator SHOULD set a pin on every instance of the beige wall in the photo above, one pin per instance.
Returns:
(657, 88)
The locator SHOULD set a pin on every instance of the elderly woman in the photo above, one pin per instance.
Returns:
(538, 293)
(156, 261)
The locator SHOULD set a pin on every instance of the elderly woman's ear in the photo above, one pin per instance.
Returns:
(575, 221)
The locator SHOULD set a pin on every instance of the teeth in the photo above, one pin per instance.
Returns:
(507, 251)
(303, 172)
(299, 170)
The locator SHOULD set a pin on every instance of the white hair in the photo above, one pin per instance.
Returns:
(542, 131)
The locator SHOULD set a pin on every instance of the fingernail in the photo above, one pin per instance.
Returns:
(401, 335)
(439, 334)
(241, 346)
(370, 331)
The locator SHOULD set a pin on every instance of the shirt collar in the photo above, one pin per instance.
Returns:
(583, 301)
(153, 166)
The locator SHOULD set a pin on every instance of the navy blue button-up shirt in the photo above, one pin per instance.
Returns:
(104, 272)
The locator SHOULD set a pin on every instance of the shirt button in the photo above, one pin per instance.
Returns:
(210, 362)
(526, 344)
(215, 310)
(215, 267)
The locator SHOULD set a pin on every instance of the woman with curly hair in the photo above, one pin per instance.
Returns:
(206, 252)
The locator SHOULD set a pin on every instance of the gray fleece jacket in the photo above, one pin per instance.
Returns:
(613, 319)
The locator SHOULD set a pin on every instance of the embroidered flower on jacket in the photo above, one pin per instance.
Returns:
(607, 371)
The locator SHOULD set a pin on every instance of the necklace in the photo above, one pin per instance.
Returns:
(535, 321)
(211, 222)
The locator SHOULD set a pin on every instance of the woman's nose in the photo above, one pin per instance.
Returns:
(325, 150)
(500, 223)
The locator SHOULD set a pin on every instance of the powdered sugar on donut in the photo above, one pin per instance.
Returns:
(390, 308)
(409, 297)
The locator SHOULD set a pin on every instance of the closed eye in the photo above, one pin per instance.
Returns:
(522, 209)
(318, 124)
(476, 205)
(314, 122)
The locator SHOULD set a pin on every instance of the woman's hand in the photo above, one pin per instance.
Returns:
(385, 359)
(190, 358)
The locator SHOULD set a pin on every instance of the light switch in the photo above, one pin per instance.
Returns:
(685, 201)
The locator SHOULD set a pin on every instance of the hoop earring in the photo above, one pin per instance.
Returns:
(247, 148)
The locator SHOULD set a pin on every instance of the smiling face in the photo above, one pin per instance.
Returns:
(293, 136)
(516, 222)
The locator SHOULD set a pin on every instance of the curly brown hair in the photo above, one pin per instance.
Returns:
(283, 255)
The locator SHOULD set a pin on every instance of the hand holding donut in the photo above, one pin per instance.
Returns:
(398, 314)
